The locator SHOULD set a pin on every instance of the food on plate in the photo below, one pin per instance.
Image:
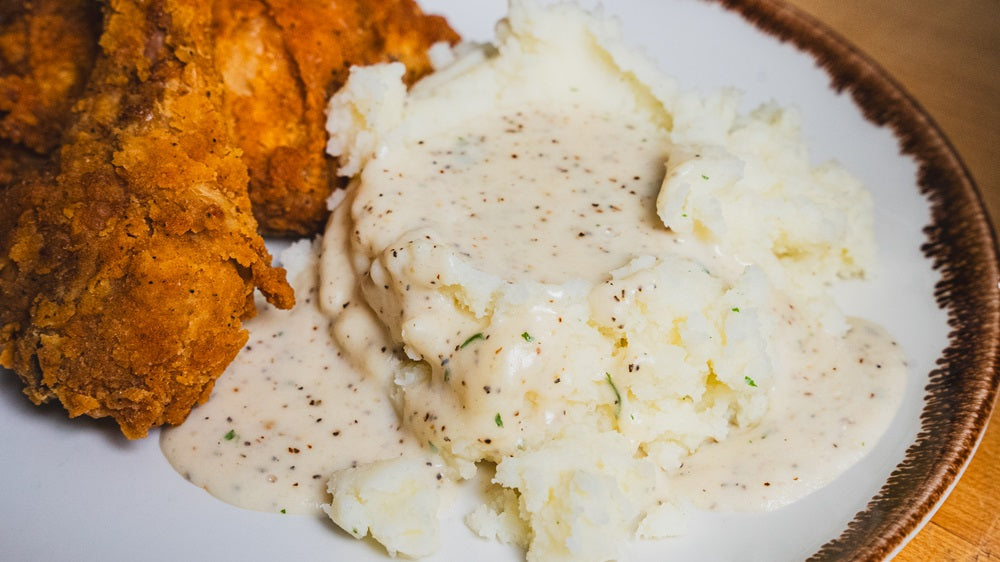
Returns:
(280, 61)
(129, 251)
(370, 499)
(129, 263)
(556, 274)
(565, 265)
(288, 412)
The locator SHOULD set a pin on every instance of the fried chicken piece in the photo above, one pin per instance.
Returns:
(128, 260)
(47, 49)
(128, 265)
(281, 60)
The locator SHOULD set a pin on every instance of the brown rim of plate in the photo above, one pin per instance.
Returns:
(962, 247)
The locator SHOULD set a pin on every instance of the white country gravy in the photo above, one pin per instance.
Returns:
(297, 412)
(287, 413)
(545, 194)
(830, 408)
(498, 237)
(291, 409)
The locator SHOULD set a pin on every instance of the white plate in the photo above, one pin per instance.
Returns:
(77, 490)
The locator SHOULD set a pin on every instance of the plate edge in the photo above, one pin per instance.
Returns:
(962, 246)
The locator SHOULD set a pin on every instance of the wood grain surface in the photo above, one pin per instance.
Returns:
(947, 55)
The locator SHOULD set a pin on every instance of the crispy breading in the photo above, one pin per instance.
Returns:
(129, 256)
(47, 49)
(281, 60)
(129, 264)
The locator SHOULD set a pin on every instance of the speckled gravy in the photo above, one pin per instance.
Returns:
(287, 413)
(291, 410)
(829, 409)
(527, 195)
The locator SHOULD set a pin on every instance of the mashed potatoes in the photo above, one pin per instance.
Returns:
(556, 261)
(369, 498)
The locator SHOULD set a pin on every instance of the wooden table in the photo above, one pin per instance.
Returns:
(946, 53)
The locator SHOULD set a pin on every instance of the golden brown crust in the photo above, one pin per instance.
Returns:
(47, 49)
(281, 60)
(129, 258)
(126, 274)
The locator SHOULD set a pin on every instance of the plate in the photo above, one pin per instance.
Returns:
(77, 490)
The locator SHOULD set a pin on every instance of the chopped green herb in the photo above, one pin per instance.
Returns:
(527, 337)
(736, 309)
(749, 381)
(618, 397)
(230, 435)
(704, 177)
(498, 420)
(472, 338)
(283, 510)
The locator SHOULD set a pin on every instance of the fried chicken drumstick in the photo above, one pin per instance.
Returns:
(128, 267)
(129, 251)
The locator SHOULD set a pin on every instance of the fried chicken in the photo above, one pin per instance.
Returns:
(129, 250)
(281, 60)
(47, 49)
(128, 264)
